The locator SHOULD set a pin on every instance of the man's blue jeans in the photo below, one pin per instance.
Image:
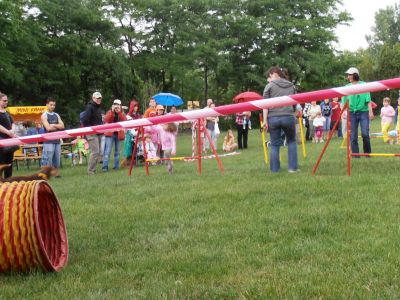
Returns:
(110, 140)
(362, 118)
(276, 125)
(51, 155)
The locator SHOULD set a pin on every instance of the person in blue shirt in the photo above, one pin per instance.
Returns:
(326, 111)
(32, 130)
(52, 122)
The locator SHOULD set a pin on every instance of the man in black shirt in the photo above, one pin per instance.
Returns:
(92, 117)
(6, 132)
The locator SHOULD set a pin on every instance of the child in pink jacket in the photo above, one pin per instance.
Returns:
(387, 114)
(168, 143)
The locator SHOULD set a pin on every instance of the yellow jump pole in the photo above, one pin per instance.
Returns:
(377, 154)
(264, 140)
(303, 144)
(379, 137)
(343, 145)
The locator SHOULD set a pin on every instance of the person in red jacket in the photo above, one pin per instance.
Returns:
(134, 111)
(114, 115)
(336, 116)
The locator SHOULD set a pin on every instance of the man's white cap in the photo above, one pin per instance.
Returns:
(117, 101)
(97, 95)
(352, 70)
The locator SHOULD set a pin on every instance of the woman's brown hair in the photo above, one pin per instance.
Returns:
(282, 73)
(171, 127)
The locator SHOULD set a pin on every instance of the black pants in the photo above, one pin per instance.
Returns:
(307, 125)
(7, 158)
(242, 135)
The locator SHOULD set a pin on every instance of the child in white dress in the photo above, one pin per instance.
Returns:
(318, 124)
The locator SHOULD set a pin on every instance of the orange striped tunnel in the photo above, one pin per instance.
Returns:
(32, 229)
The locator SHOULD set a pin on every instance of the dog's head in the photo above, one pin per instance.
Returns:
(47, 172)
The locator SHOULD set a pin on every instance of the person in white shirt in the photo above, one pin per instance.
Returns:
(318, 123)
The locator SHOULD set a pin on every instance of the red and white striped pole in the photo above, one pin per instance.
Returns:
(212, 112)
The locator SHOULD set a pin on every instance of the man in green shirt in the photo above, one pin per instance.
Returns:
(360, 113)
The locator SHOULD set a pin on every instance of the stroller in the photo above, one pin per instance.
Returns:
(139, 158)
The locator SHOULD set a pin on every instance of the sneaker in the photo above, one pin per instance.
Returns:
(105, 169)
(91, 173)
(294, 171)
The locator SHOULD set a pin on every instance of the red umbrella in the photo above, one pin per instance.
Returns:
(247, 96)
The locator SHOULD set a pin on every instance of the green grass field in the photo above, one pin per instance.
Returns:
(241, 234)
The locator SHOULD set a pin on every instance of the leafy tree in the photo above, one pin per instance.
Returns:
(134, 48)
(15, 39)
(76, 53)
(387, 27)
(384, 48)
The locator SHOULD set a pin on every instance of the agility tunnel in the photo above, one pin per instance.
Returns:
(32, 229)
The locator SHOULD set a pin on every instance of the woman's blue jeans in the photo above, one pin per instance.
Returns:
(110, 140)
(327, 124)
(362, 118)
(276, 125)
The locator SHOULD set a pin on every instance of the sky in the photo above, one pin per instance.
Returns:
(352, 37)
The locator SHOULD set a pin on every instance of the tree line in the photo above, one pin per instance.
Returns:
(198, 49)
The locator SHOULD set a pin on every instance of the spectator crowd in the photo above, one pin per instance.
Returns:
(158, 143)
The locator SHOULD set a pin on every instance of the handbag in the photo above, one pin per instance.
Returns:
(216, 128)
